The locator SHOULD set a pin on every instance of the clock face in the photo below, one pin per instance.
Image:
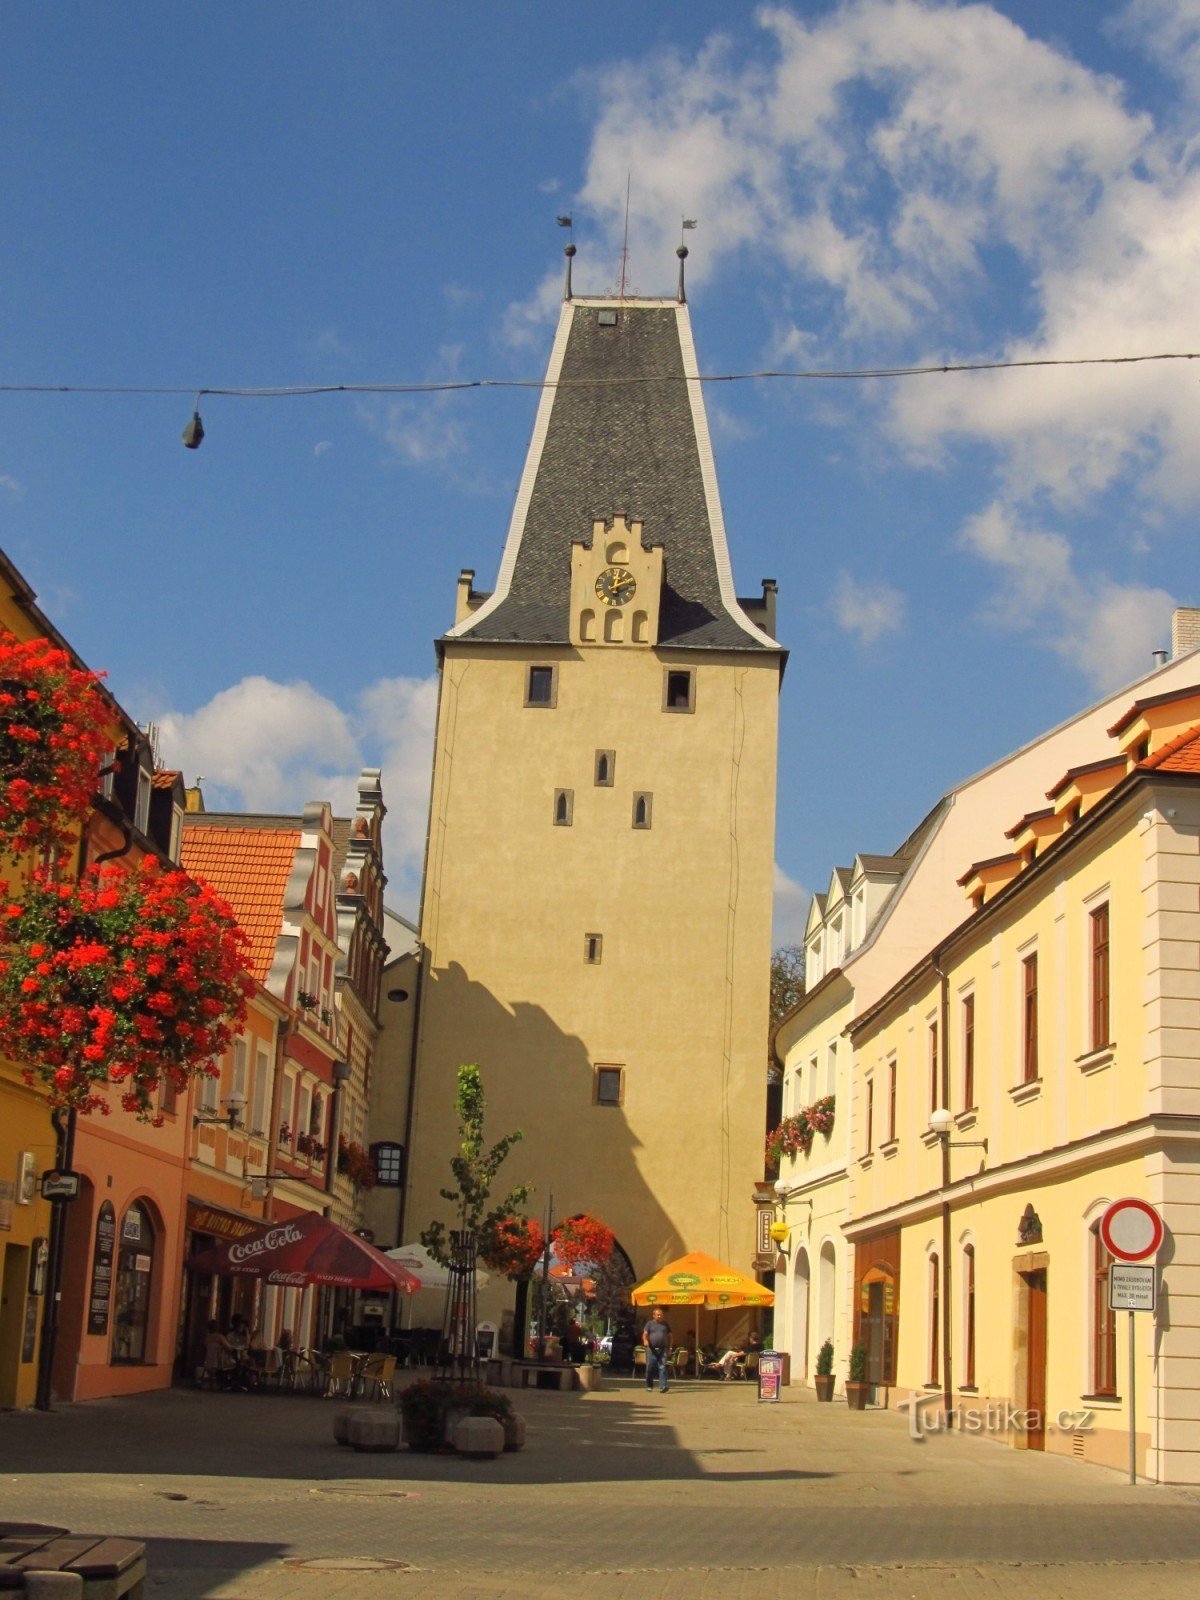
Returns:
(615, 586)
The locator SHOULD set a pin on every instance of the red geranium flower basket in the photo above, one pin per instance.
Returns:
(55, 730)
(126, 977)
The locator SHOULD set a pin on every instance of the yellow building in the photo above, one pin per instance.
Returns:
(597, 898)
(1055, 1035)
(877, 921)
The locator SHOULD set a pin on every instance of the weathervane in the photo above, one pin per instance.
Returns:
(682, 252)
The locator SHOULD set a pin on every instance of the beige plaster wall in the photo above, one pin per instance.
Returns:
(679, 998)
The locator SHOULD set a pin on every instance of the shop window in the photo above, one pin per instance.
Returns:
(1104, 1322)
(132, 1285)
(935, 1320)
(969, 1316)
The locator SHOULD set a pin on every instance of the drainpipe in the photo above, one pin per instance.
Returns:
(947, 1317)
(410, 1105)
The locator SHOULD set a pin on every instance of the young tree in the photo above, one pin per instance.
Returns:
(787, 980)
(474, 1169)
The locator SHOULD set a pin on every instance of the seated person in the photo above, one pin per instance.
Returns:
(723, 1368)
(218, 1352)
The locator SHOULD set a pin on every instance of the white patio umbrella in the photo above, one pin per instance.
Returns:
(430, 1274)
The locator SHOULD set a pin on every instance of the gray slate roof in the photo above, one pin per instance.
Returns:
(619, 445)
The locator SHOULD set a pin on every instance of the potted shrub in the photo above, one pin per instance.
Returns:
(423, 1411)
(823, 1380)
(857, 1386)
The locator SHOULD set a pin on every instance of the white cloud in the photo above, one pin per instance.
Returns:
(267, 746)
(1105, 630)
(329, 342)
(916, 171)
(525, 321)
(322, 447)
(791, 902)
(867, 610)
(15, 489)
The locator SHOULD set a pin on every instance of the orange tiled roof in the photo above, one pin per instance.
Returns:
(1181, 754)
(164, 779)
(250, 868)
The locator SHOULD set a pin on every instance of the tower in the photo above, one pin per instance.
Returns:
(597, 901)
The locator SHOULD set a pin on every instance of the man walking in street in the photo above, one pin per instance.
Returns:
(656, 1336)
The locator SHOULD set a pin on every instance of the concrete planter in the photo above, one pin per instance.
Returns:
(589, 1377)
(514, 1431)
(478, 1437)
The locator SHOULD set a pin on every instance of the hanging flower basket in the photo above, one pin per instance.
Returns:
(126, 977)
(512, 1245)
(355, 1163)
(583, 1241)
(55, 730)
(794, 1135)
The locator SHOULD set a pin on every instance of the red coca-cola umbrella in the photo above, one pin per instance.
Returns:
(303, 1250)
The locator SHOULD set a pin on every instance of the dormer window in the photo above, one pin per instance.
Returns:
(141, 807)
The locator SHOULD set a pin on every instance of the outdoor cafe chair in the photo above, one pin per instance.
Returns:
(378, 1371)
(341, 1374)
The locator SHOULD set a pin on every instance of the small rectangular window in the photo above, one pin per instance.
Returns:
(168, 1098)
(869, 1119)
(891, 1099)
(541, 687)
(1029, 974)
(679, 689)
(968, 1041)
(389, 1164)
(606, 319)
(564, 807)
(935, 1097)
(593, 948)
(643, 809)
(141, 812)
(606, 768)
(1100, 1017)
(610, 1086)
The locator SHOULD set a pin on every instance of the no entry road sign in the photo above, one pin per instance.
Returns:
(1131, 1230)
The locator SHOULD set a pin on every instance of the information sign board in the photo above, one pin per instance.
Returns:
(770, 1376)
(1132, 1287)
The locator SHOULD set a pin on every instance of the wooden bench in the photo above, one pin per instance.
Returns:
(107, 1569)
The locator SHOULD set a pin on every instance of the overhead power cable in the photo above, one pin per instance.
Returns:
(453, 385)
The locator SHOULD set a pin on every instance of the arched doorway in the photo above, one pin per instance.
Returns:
(826, 1292)
(800, 1294)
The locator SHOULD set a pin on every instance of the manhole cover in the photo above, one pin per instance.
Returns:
(346, 1564)
(365, 1491)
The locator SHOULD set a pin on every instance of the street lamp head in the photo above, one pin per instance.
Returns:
(782, 1187)
(235, 1104)
(940, 1122)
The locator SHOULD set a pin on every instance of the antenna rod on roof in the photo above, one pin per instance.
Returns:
(625, 245)
(568, 251)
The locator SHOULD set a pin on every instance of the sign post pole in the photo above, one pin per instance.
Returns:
(1132, 1405)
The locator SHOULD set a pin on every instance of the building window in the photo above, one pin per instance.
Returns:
(870, 1117)
(606, 768)
(935, 1096)
(968, 1045)
(1101, 1034)
(1029, 1000)
(389, 1164)
(593, 948)
(564, 807)
(238, 1086)
(1104, 1321)
(141, 805)
(969, 1316)
(262, 1084)
(131, 1286)
(541, 687)
(609, 1086)
(643, 810)
(210, 1090)
(679, 689)
(168, 1095)
(831, 1069)
(935, 1320)
(891, 1099)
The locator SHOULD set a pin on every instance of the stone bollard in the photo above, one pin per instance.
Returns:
(341, 1423)
(480, 1437)
(54, 1585)
(514, 1432)
(376, 1429)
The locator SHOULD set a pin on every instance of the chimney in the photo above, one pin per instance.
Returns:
(1160, 658)
(1185, 630)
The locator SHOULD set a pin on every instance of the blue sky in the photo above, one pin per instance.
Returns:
(277, 194)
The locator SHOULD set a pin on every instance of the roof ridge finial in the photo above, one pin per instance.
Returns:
(682, 253)
(567, 221)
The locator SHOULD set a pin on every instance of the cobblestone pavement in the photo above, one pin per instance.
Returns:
(698, 1493)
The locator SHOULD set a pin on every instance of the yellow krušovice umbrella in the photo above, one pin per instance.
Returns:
(699, 1280)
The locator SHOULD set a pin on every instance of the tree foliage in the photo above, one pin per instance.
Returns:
(474, 1168)
(787, 980)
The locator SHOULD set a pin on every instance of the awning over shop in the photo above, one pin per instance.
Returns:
(219, 1221)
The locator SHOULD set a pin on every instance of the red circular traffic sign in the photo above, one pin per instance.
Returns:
(1131, 1230)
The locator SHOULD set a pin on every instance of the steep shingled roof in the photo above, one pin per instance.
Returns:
(617, 441)
(249, 867)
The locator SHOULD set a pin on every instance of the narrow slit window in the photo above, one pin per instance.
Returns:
(593, 948)
(968, 1019)
(643, 809)
(679, 689)
(1029, 971)
(1100, 1016)
(564, 807)
(606, 768)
